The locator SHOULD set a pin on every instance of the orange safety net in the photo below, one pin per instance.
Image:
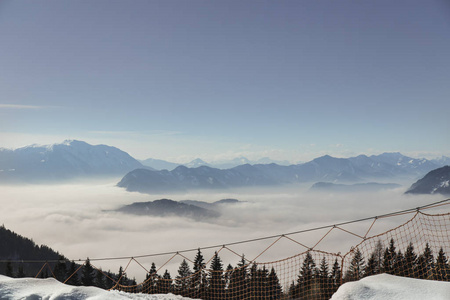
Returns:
(416, 248)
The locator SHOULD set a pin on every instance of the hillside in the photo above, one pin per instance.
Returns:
(435, 182)
(15, 247)
(167, 207)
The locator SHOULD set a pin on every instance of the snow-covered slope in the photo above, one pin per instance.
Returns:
(50, 288)
(384, 286)
(377, 287)
(435, 182)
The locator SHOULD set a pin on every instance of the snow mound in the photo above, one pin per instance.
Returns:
(51, 289)
(384, 286)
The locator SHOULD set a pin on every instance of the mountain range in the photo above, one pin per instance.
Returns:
(77, 159)
(159, 164)
(387, 166)
(68, 160)
(356, 187)
(435, 182)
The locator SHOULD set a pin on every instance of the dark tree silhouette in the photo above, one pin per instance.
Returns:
(87, 275)
(183, 280)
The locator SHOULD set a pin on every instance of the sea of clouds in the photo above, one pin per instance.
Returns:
(78, 221)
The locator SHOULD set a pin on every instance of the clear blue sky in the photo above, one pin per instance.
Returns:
(183, 79)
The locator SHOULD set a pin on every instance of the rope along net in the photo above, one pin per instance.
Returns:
(416, 248)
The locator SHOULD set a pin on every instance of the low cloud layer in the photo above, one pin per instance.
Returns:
(77, 221)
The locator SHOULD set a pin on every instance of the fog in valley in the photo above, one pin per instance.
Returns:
(78, 221)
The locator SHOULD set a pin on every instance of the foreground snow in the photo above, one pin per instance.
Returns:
(51, 289)
(378, 287)
(384, 286)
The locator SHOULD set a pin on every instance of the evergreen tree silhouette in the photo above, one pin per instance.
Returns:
(9, 269)
(199, 280)
(99, 280)
(87, 275)
(335, 275)
(442, 270)
(72, 278)
(324, 278)
(21, 272)
(164, 284)
(183, 280)
(410, 261)
(389, 258)
(356, 269)
(306, 281)
(238, 286)
(399, 264)
(149, 285)
(216, 287)
(371, 267)
(275, 289)
(60, 269)
(425, 263)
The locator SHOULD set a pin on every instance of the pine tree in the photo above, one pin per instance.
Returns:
(324, 278)
(60, 269)
(9, 269)
(164, 284)
(87, 275)
(306, 281)
(356, 269)
(149, 285)
(374, 263)
(183, 280)
(238, 287)
(399, 265)
(100, 279)
(442, 269)
(275, 289)
(199, 279)
(216, 288)
(21, 272)
(425, 263)
(371, 267)
(261, 280)
(253, 281)
(72, 277)
(389, 258)
(336, 275)
(121, 277)
(378, 255)
(410, 261)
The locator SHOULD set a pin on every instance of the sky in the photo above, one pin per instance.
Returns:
(177, 80)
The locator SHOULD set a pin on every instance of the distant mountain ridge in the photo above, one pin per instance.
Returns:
(76, 159)
(356, 187)
(362, 168)
(159, 164)
(435, 182)
(68, 160)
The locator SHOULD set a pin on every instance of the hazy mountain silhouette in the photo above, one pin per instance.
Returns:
(68, 160)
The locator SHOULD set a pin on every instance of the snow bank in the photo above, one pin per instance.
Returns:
(51, 289)
(378, 287)
(384, 286)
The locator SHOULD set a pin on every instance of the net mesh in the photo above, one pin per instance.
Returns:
(416, 248)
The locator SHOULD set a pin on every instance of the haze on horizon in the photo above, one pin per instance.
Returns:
(177, 80)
